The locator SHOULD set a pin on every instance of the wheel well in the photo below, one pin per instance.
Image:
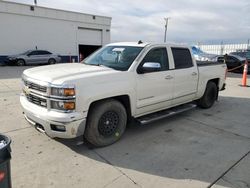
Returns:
(216, 81)
(52, 59)
(123, 99)
(22, 60)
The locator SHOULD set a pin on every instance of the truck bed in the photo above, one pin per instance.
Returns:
(208, 63)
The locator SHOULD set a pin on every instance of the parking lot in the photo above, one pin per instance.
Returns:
(199, 148)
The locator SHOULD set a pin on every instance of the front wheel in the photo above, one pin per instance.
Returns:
(209, 96)
(106, 123)
(20, 62)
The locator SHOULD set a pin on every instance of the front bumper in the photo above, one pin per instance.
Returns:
(11, 62)
(44, 120)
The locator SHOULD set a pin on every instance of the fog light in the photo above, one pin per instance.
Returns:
(63, 105)
(60, 128)
(69, 105)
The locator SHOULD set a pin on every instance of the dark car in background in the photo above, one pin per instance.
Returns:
(33, 57)
(242, 53)
(233, 61)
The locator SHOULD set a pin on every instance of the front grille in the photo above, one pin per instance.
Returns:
(35, 86)
(36, 100)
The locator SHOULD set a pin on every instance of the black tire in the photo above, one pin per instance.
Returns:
(106, 123)
(209, 96)
(20, 62)
(51, 61)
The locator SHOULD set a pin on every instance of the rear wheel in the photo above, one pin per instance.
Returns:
(209, 96)
(106, 123)
(20, 62)
(52, 61)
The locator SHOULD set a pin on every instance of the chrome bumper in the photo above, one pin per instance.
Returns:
(44, 120)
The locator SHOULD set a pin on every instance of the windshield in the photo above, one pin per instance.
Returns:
(27, 52)
(116, 57)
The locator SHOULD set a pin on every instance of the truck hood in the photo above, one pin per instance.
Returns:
(60, 73)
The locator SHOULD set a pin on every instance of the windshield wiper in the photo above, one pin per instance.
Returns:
(98, 65)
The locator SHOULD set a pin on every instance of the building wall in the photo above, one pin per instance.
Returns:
(50, 29)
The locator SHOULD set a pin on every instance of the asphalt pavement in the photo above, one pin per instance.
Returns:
(198, 148)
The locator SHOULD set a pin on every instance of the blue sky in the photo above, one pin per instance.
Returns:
(192, 21)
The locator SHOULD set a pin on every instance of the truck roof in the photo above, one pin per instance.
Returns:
(143, 44)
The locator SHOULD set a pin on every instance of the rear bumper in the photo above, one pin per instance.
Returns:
(45, 120)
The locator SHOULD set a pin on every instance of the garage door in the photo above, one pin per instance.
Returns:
(89, 36)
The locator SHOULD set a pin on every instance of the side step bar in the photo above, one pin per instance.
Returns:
(165, 113)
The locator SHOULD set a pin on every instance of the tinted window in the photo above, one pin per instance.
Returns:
(46, 53)
(231, 59)
(40, 52)
(182, 58)
(34, 53)
(220, 59)
(158, 55)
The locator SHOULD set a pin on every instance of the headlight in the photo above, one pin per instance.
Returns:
(63, 105)
(63, 92)
(12, 58)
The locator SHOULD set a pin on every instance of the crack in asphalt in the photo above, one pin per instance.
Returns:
(16, 130)
(234, 185)
(118, 177)
(230, 168)
(118, 169)
(237, 162)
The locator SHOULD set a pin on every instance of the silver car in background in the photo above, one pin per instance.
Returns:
(33, 57)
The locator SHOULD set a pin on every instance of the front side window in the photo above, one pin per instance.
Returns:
(116, 57)
(182, 58)
(34, 53)
(157, 55)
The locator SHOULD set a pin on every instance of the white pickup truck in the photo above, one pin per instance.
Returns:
(120, 82)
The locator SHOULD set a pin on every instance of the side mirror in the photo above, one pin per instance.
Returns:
(149, 67)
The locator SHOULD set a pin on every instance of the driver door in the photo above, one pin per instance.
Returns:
(154, 89)
(33, 57)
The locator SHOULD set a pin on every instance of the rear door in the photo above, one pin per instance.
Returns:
(185, 75)
(45, 55)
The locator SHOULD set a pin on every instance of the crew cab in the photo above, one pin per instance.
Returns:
(118, 83)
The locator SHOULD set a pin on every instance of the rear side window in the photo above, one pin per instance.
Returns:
(220, 59)
(42, 52)
(46, 52)
(182, 58)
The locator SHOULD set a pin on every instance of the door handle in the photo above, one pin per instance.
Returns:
(194, 74)
(169, 77)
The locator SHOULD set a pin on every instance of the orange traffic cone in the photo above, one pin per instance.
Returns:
(244, 78)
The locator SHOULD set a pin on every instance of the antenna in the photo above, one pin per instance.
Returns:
(140, 42)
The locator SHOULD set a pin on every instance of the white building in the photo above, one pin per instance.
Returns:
(221, 49)
(27, 27)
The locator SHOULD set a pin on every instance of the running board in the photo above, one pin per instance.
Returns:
(165, 113)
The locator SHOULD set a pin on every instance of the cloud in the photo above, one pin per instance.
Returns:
(205, 21)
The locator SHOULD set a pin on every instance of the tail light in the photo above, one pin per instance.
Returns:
(2, 176)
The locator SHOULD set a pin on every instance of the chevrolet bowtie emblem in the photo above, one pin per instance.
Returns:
(26, 90)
